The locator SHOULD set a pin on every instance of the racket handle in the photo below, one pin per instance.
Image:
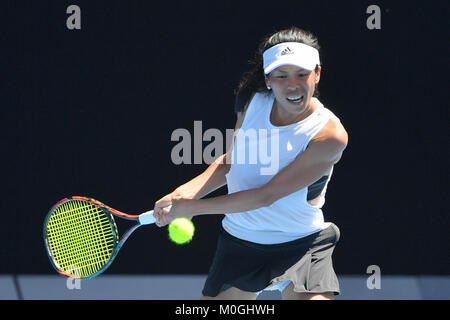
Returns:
(148, 217)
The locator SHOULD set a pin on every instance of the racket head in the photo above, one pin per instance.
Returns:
(81, 237)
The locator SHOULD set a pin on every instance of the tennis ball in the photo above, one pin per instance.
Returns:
(181, 230)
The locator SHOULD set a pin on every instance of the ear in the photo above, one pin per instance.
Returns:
(267, 81)
(319, 69)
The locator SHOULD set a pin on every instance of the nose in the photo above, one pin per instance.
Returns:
(292, 84)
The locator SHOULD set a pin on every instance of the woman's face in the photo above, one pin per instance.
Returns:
(293, 87)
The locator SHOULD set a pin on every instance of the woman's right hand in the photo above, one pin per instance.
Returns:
(162, 204)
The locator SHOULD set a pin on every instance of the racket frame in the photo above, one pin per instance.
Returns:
(144, 218)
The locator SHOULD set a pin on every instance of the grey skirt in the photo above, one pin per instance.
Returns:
(253, 267)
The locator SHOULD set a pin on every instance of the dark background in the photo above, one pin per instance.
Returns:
(91, 111)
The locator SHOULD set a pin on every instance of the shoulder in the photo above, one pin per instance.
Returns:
(242, 101)
(332, 139)
(241, 114)
(333, 131)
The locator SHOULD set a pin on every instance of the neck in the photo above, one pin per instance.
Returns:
(281, 116)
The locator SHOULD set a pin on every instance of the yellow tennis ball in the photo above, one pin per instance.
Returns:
(181, 230)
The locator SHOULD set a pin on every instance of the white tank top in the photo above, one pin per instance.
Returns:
(260, 151)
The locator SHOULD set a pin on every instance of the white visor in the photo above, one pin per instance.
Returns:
(290, 53)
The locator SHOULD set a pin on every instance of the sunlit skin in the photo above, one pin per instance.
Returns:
(292, 81)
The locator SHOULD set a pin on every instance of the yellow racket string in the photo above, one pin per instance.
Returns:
(80, 238)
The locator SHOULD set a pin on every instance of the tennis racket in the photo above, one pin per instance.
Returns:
(81, 236)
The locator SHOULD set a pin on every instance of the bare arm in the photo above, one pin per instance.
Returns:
(322, 153)
(213, 177)
(208, 181)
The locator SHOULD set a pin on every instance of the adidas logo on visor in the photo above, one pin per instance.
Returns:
(286, 51)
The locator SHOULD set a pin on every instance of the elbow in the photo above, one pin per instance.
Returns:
(223, 162)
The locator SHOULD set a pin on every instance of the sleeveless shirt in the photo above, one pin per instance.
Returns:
(260, 151)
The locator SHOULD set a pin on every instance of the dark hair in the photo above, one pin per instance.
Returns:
(253, 80)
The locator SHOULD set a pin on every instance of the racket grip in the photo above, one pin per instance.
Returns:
(147, 217)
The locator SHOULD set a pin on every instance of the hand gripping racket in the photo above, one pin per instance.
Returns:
(81, 236)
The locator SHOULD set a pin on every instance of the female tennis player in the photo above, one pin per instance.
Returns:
(274, 236)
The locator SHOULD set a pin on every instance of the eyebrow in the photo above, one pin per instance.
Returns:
(282, 71)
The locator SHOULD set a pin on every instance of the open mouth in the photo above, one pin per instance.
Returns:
(295, 98)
